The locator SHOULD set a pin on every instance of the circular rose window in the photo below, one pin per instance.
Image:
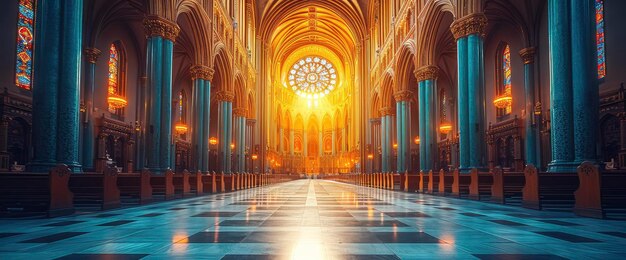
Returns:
(312, 77)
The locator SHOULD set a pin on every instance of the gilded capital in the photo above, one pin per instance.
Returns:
(404, 95)
(202, 72)
(225, 96)
(158, 26)
(528, 55)
(241, 112)
(426, 73)
(92, 54)
(471, 24)
(387, 111)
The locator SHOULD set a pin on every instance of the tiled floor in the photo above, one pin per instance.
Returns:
(313, 219)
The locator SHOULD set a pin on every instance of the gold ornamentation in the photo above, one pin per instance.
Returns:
(202, 72)
(225, 96)
(239, 111)
(158, 26)
(92, 54)
(528, 55)
(387, 111)
(426, 73)
(404, 95)
(471, 24)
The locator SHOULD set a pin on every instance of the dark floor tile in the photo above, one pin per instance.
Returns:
(214, 214)
(445, 208)
(175, 209)
(63, 223)
(240, 223)
(368, 257)
(567, 237)
(3, 235)
(406, 214)
(335, 214)
(507, 223)
(470, 214)
(352, 237)
(108, 215)
(406, 237)
(271, 237)
(520, 215)
(149, 215)
(615, 234)
(281, 223)
(103, 256)
(54, 237)
(559, 222)
(251, 257)
(116, 223)
(518, 257)
(216, 237)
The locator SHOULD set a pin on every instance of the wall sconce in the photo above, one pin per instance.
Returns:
(137, 126)
(232, 146)
(537, 108)
(370, 156)
(416, 140)
(212, 141)
(254, 157)
(395, 146)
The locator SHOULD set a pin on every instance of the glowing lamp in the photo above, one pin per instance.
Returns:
(445, 128)
(212, 141)
(181, 128)
(370, 156)
(254, 157)
(116, 101)
(503, 101)
(232, 146)
(416, 140)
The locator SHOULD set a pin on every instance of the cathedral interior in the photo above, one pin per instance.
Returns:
(319, 129)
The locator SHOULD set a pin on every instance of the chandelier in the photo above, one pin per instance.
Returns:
(116, 101)
(181, 128)
(503, 101)
(445, 127)
(312, 77)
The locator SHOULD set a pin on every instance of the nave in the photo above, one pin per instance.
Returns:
(315, 219)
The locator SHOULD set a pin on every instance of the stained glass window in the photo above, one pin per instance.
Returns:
(312, 77)
(114, 88)
(600, 38)
(181, 106)
(506, 69)
(25, 37)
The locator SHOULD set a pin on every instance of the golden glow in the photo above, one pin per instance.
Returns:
(312, 77)
(232, 146)
(212, 141)
(116, 101)
(254, 157)
(370, 156)
(445, 128)
(416, 140)
(503, 101)
(395, 146)
(181, 128)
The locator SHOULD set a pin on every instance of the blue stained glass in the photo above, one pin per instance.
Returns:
(24, 50)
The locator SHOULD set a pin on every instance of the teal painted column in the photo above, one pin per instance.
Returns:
(389, 141)
(154, 108)
(402, 129)
(399, 123)
(422, 124)
(89, 139)
(475, 100)
(206, 121)
(383, 152)
(584, 81)
(197, 128)
(224, 145)
(463, 115)
(166, 140)
(427, 77)
(56, 85)
(561, 96)
(531, 154)
(229, 136)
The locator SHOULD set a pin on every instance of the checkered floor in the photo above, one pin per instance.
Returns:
(314, 219)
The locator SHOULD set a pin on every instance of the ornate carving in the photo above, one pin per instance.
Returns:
(426, 73)
(528, 55)
(158, 26)
(404, 95)
(241, 112)
(92, 54)
(202, 72)
(387, 111)
(471, 24)
(225, 96)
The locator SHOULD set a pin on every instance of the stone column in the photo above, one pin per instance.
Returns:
(226, 118)
(89, 139)
(161, 35)
(239, 132)
(427, 78)
(56, 85)
(291, 140)
(469, 33)
(403, 125)
(528, 56)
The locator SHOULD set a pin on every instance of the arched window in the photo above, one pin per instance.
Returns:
(504, 98)
(600, 38)
(116, 80)
(25, 37)
(182, 111)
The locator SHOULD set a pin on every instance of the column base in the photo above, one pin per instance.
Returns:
(563, 166)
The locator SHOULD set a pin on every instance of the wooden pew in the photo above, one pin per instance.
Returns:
(181, 184)
(460, 184)
(27, 194)
(548, 190)
(413, 182)
(600, 193)
(433, 181)
(196, 185)
(96, 190)
(209, 183)
(480, 184)
(421, 183)
(163, 185)
(219, 182)
(445, 183)
(135, 188)
(507, 187)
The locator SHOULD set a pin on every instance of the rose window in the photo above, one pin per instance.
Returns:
(312, 77)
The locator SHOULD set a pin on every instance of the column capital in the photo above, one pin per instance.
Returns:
(241, 112)
(201, 72)
(159, 26)
(92, 54)
(225, 96)
(387, 111)
(403, 95)
(426, 73)
(375, 121)
(471, 24)
(528, 55)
